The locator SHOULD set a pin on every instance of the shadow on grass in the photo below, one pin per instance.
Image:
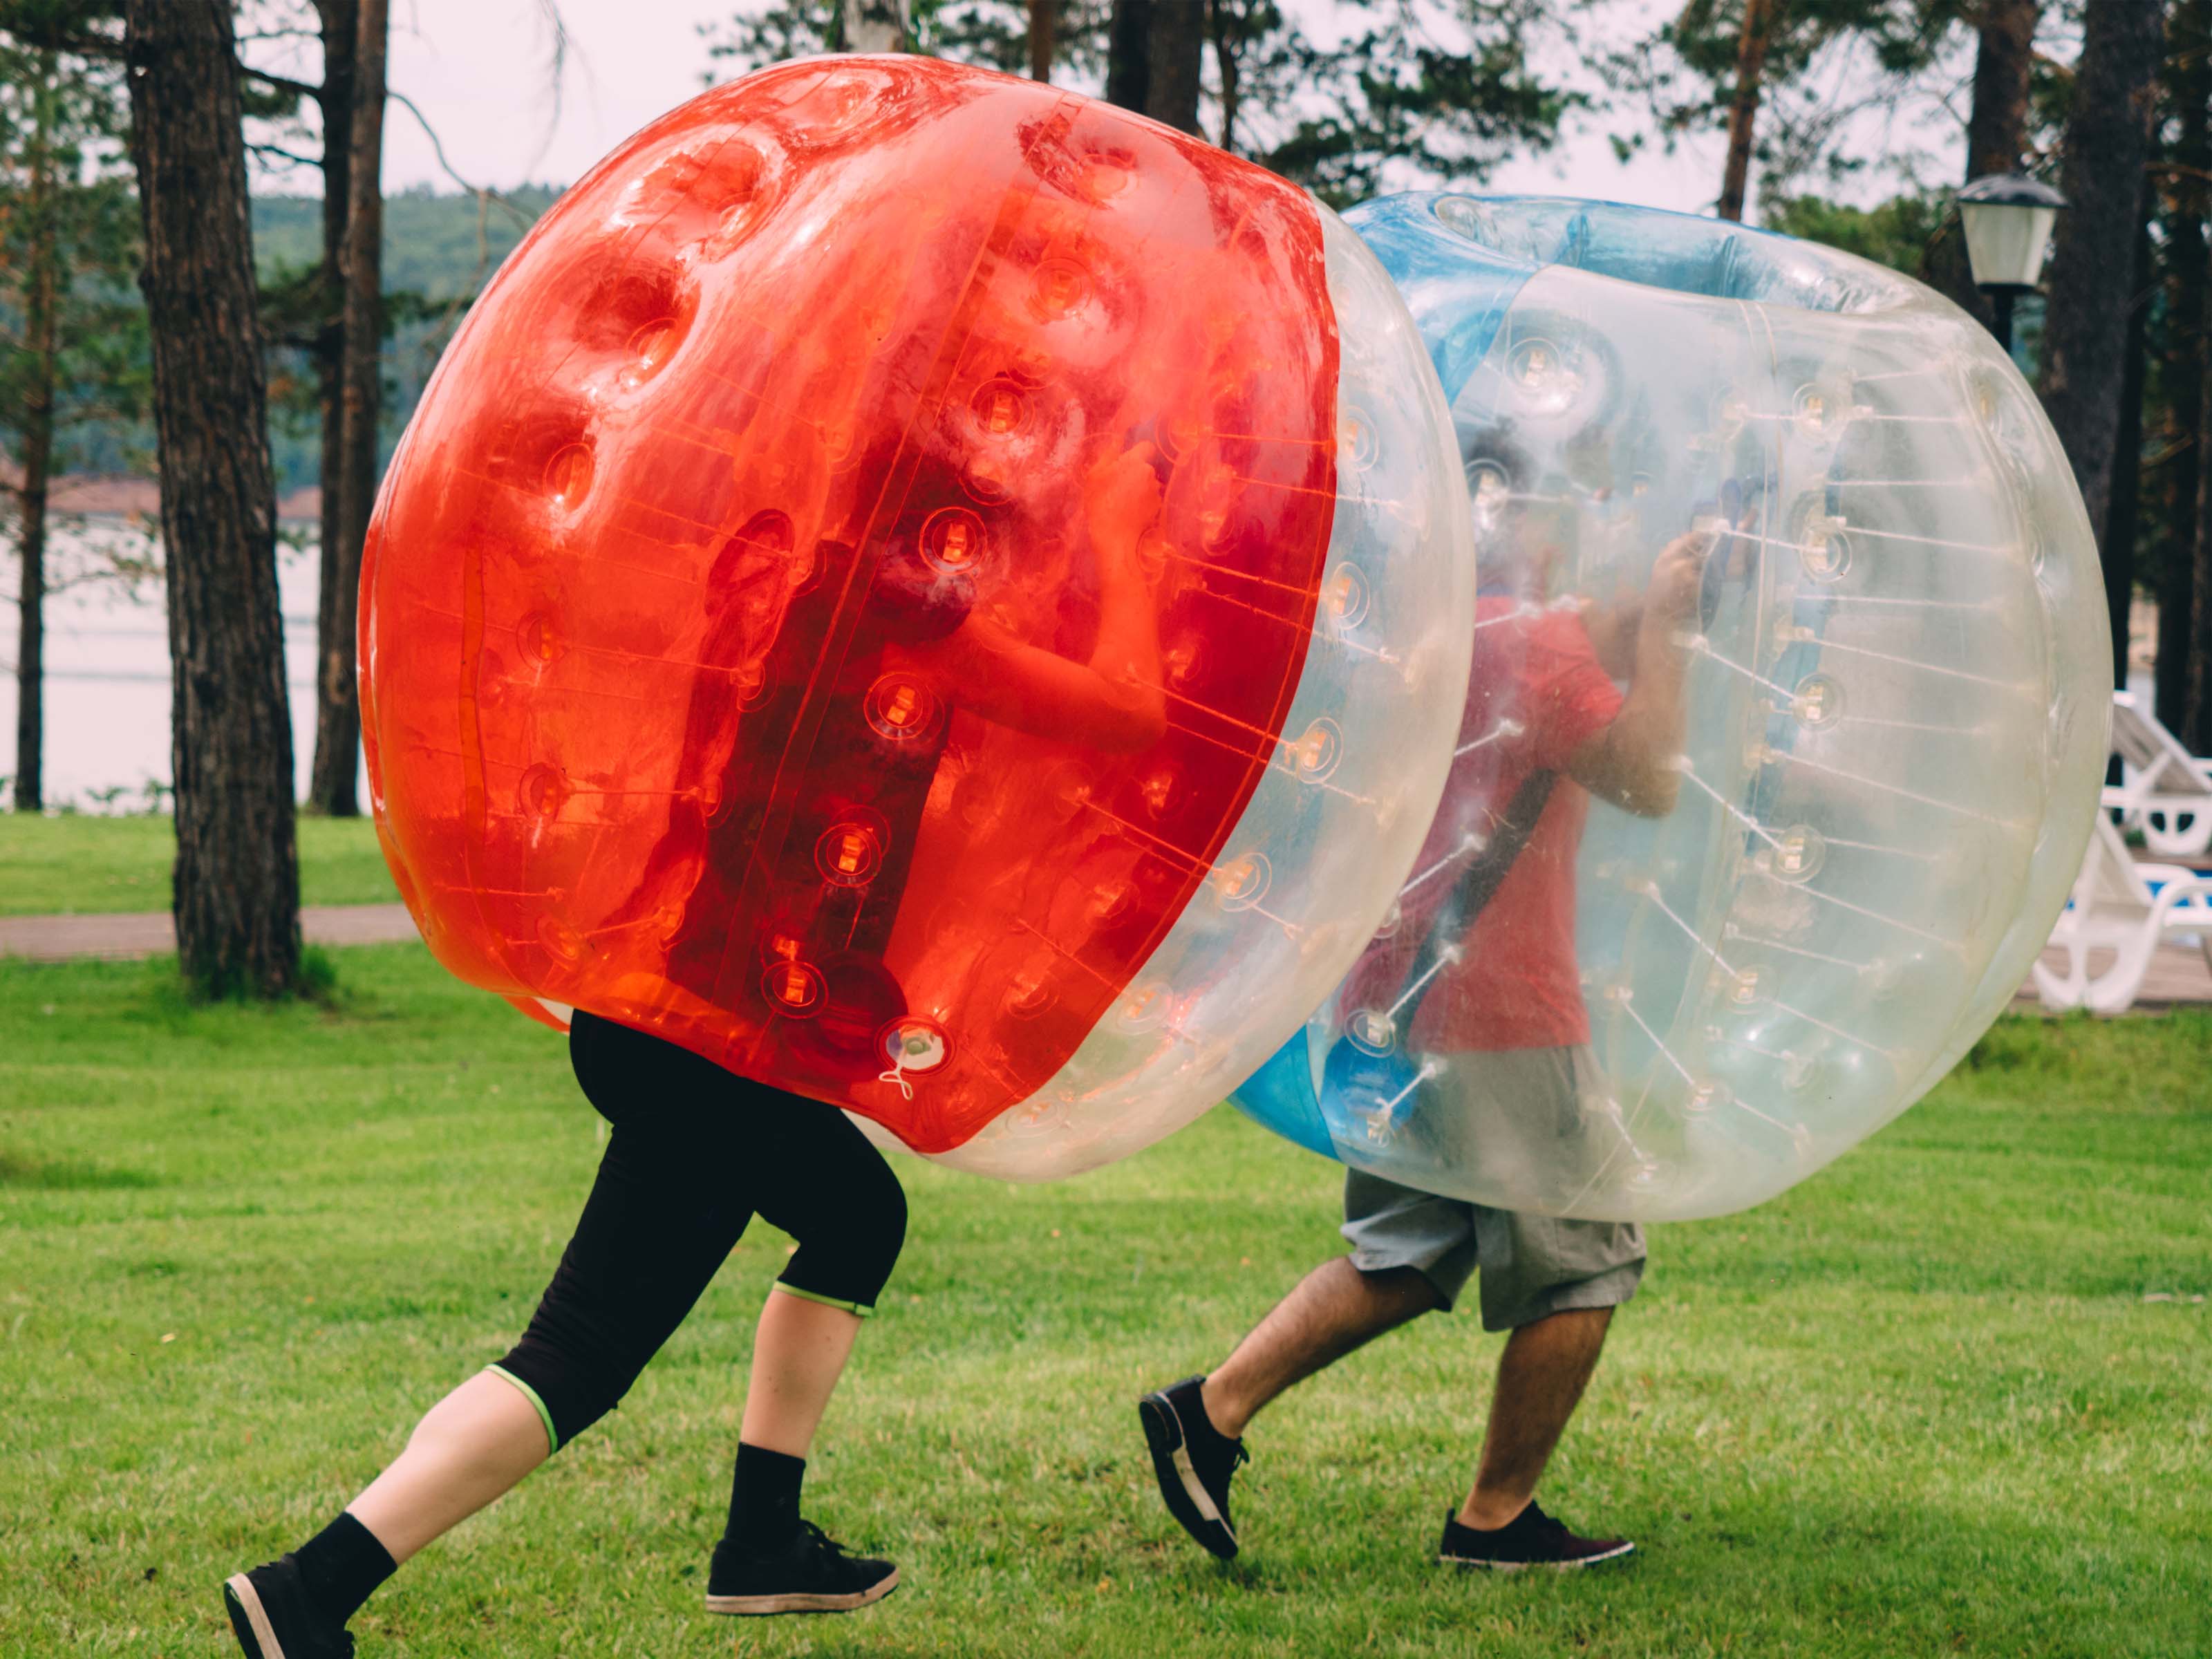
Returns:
(67, 1175)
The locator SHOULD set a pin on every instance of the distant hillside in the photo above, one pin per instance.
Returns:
(441, 249)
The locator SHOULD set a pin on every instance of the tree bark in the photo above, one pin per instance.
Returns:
(1226, 64)
(330, 782)
(1997, 127)
(237, 886)
(1997, 140)
(1041, 43)
(1174, 49)
(2119, 537)
(2196, 729)
(1128, 54)
(870, 25)
(2086, 319)
(38, 427)
(337, 762)
(1760, 19)
(2189, 274)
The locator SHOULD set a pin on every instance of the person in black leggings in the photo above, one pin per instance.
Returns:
(694, 1154)
(697, 1151)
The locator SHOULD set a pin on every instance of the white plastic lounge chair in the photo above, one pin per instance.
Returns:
(2167, 791)
(2126, 909)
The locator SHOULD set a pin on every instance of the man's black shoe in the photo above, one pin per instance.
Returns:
(1530, 1538)
(1193, 1462)
(273, 1617)
(808, 1573)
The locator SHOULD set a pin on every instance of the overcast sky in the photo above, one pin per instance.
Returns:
(480, 70)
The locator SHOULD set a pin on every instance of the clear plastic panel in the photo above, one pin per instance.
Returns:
(1316, 860)
(1781, 560)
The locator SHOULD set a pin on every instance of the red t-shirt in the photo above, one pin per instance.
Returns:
(1517, 985)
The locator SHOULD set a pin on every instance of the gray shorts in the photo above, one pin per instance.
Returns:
(1533, 1266)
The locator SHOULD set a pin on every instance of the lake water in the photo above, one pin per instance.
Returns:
(107, 684)
(107, 676)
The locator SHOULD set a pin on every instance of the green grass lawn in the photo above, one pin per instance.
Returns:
(1952, 1396)
(77, 863)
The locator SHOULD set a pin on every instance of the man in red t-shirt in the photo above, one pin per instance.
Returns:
(1546, 727)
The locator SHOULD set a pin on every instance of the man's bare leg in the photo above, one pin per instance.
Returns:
(1333, 1311)
(1540, 1378)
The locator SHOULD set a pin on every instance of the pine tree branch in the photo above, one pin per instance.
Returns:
(282, 83)
(439, 150)
(54, 36)
(281, 154)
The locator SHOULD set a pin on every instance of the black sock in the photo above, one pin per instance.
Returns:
(343, 1563)
(764, 1497)
(1529, 1511)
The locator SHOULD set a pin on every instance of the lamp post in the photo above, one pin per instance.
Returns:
(2007, 217)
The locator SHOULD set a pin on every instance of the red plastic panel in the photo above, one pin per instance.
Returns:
(767, 636)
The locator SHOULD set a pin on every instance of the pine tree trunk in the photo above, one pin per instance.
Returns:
(330, 779)
(1996, 138)
(2196, 729)
(1997, 127)
(237, 885)
(2119, 537)
(31, 633)
(870, 25)
(1174, 49)
(2086, 320)
(361, 266)
(2189, 94)
(1128, 54)
(38, 429)
(1759, 20)
(1041, 42)
(1226, 66)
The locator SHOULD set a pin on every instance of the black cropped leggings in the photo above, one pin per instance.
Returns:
(695, 1152)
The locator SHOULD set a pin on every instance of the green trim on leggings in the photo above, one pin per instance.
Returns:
(552, 1436)
(858, 1310)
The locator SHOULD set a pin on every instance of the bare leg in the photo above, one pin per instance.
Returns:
(1334, 1309)
(1540, 1378)
(799, 1349)
(479, 1441)
(473, 1446)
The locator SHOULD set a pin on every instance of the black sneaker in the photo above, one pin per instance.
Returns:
(1193, 1462)
(273, 1617)
(1530, 1538)
(812, 1573)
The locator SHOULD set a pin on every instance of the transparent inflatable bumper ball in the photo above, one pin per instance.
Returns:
(1784, 723)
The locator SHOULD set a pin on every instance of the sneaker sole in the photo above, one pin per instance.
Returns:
(761, 1607)
(249, 1619)
(1181, 1489)
(1575, 1566)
